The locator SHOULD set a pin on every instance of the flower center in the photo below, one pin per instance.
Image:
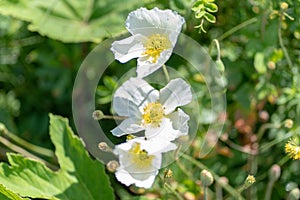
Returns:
(154, 45)
(153, 114)
(140, 157)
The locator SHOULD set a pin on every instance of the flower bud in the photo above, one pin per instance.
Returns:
(103, 146)
(2, 128)
(284, 6)
(98, 115)
(271, 65)
(206, 178)
(275, 172)
(112, 166)
(294, 194)
(288, 123)
(168, 173)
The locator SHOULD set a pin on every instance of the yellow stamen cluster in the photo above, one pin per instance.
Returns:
(154, 45)
(250, 179)
(153, 114)
(140, 157)
(292, 149)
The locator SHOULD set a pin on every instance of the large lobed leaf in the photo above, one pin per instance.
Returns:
(79, 177)
(5, 194)
(72, 20)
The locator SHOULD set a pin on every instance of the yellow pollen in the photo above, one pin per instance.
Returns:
(154, 45)
(153, 114)
(140, 157)
(292, 150)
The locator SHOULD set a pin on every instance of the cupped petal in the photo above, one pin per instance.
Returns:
(163, 134)
(180, 121)
(128, 48)
(128, 126)
(148, 22)
(126, 178)
(176, 93)
(145, 67)
(131, 97)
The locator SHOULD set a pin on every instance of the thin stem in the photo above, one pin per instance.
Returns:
(169, 189)
(205, 196)
(219, 192)
(263, 129)
(285, 52)
(236, 28)
(217, 44)
(166, 72)
(227, 187)
(114, 117)
(34, 148)
(269, 189)
(24, 152)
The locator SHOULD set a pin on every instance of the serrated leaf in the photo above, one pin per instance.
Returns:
(72, 21)
(259, 64)
(5, 194)
(79, 177)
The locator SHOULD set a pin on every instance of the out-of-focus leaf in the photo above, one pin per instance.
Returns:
(259, 63)
(79, 177)
(72, 21)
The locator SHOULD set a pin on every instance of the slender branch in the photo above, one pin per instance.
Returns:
(285, 52)
(34, 148)
(236, 28)
(24, 152)
(227, 187)
(166, 72)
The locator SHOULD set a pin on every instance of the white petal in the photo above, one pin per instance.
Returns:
(163, 134)
(180, 121)
(128, 48)
(131, 97)
(144, 67)
(176, 93)
(124, 177)
(127, 126)
(145, 22)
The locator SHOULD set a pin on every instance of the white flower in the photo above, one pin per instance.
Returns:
(154, 35)
(140, 161)
(152, 110)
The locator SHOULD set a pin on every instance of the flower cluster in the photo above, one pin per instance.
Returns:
(152, 119)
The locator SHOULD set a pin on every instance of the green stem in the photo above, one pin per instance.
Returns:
(205, 196)
(114, 117)
(166, 72)
(217, 44)
(269, 190)
(227, 187)
(34, 148)
(285, 52)
(236, 28)
(24, 152)
(169, 189)
(263, 129)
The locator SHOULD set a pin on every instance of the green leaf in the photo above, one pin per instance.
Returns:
(211, 7)
(5, 194)
(79, 177)
(72, 21)
(259, 64)
(210, 18)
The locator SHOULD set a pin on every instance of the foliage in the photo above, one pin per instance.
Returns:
(43, 44)
(78, 175)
